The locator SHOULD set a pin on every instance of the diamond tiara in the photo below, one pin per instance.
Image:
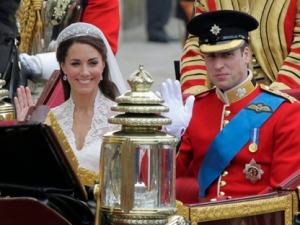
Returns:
(77, 30)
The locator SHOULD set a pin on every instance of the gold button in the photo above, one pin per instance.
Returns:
(225, 173)
(227, 113)
(254, 61)
(255, 73)
(225, 122)
(222, 183)
(221, 193)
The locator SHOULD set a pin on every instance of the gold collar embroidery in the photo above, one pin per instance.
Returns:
(238, 92)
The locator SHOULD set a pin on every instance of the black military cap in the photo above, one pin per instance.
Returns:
(221, 30)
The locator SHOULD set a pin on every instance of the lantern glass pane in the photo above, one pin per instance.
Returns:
(154, 176)
(112, 175)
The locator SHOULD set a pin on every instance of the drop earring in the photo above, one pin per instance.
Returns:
(65, 77)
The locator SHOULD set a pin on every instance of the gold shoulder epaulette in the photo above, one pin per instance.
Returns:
(278, 93)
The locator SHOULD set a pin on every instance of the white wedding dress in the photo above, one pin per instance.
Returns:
(89, 156)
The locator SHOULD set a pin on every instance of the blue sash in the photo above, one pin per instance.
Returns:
(232, 138)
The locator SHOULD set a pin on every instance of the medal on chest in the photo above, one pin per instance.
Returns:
(253, 147)
(253, 171)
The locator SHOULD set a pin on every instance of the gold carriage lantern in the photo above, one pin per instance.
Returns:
(7, 110)
(138, 162)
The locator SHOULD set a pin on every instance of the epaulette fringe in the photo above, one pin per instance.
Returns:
(279, 93)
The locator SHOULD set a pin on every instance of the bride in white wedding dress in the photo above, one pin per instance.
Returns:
(88, 91)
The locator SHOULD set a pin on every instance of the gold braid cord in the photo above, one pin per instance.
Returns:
(87, 177)
(29, 17)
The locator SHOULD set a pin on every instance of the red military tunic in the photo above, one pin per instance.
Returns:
(278, 144)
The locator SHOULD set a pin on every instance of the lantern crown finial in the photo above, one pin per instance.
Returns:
(141, 106)
(140, 80)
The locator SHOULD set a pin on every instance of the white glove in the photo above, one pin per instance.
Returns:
(39, 66)
(179, 113)
(30, 65)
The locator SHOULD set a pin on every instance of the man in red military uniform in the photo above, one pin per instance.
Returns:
(243, 138)
(275, 58)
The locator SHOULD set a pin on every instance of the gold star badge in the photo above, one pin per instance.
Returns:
(253, 171)
(215, 29)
